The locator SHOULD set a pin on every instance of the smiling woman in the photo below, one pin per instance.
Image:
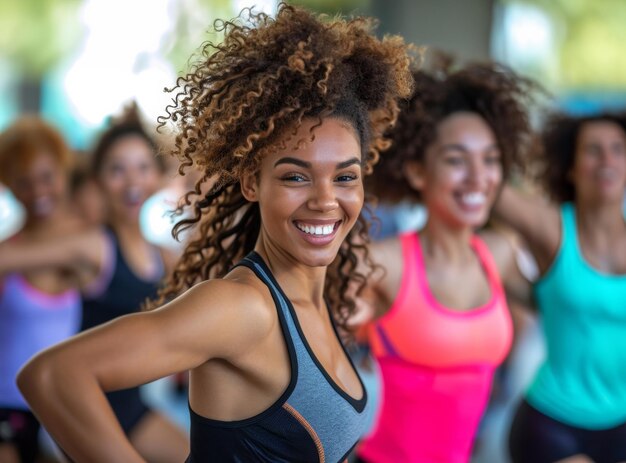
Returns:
(114, 266)
(283, 119)
(317, 193)
(442, 323)
(575, 407)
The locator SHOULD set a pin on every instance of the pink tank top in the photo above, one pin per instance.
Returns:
(436, 365)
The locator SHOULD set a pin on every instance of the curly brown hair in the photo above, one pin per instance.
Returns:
(559, 138)
(489, 89)
(256, 87)
(27, 137)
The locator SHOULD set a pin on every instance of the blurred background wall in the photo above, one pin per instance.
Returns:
(78, 61)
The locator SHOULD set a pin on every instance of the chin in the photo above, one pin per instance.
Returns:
(318, 260)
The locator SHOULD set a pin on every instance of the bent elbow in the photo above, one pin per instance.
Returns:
(36, 375)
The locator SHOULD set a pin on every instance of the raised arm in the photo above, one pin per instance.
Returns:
(507, 252)
(79, 252)
(382, 286)
(65, 384)
(535, 219)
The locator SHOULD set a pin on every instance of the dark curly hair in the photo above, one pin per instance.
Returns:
(256, 87)
(558, 149)
(127, 124)
(27, 137)
(488, 89)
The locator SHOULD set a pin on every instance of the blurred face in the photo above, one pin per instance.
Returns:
(128, 176)
(599, 171)
(41, 187)
(310, 197)
(89, 202)
(461, 173)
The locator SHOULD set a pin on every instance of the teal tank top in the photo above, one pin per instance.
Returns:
(582, 382)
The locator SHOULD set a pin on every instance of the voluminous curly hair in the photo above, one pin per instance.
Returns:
(256, 87)
(26, 138)
(489, 89)
(559, 140)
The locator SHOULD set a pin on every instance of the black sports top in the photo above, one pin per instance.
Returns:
(314, 420)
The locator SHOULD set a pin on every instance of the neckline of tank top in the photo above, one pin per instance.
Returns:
(357, 404)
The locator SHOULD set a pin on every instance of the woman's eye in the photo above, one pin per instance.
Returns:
(116, 170)
(293, 178)
(454, 161)
(347, 177)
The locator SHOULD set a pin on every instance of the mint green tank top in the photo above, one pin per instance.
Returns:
(582, 382)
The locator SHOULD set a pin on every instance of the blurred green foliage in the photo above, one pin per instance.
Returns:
(36, 34)
(590, 35)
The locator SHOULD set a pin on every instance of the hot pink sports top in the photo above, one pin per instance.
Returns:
(437, 366)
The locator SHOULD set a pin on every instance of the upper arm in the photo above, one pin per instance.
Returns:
(505, 250)
(384, 283)
(536, 220)
(216, 319)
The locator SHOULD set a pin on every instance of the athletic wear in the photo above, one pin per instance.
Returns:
(20, 428)
(118, 291)
(30, 321)
(537, 438)
(313, 421)
(582, 381)
(437, 366)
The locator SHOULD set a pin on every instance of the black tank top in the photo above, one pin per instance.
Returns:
(122, 293)
(314, 420)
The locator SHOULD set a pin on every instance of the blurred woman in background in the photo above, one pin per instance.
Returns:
(39, 306)
(116, 268)
(442, 322)
(575, 408)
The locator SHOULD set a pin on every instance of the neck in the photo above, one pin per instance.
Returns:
(598, 221)
(127, 230)
(300, 282)
(441, 241)
(45, 224)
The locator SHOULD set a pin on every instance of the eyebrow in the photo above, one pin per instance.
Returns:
(459, 147)
(307, 165)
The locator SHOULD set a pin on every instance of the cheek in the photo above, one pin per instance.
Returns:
(353, 201)
(445, 178)
(111, 185)
(495, 175)
(60, 184)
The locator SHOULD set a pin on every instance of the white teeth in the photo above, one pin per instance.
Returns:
(316, 229)
(133, 195)
(474, 199)
(43, 205)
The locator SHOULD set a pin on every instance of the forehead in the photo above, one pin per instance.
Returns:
(463, 124)
(36, 161)
(596, 131)
(127, 147)
(334, 140)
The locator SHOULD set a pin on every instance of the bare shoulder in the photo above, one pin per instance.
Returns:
(501, 245)
(386, 252)
(234, 312)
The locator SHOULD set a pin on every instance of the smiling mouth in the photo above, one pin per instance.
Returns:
(474, 199)
(317, 230)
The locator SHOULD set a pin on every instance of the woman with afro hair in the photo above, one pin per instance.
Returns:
(442, 325)
(575, 407)
(283, 118)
